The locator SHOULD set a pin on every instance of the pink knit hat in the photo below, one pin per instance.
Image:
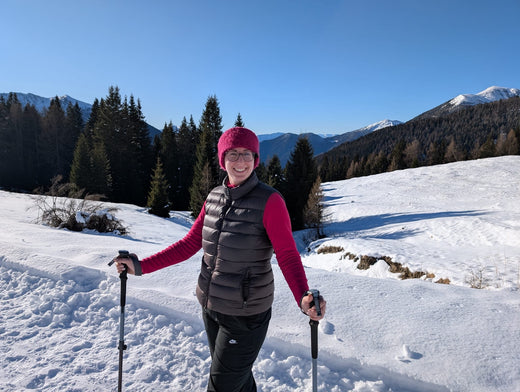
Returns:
(235, 138)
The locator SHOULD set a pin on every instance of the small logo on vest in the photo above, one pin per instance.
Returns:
(233, 341)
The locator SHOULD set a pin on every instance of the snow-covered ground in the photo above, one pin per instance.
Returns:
(59, 301)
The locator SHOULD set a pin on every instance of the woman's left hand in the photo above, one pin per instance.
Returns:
(311, 310)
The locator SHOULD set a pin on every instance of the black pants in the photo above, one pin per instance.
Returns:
(234, 343)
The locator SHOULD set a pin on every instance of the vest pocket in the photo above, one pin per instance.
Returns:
(246, 282)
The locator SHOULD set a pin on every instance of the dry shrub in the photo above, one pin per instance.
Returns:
(65, 207)
(329, 249)
(476, 279)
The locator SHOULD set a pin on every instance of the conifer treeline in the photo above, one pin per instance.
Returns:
(112, 155)
(480, 131)
(34, 147)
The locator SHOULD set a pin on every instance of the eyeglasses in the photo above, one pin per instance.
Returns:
(234, 156)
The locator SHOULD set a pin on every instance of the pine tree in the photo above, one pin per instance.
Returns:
(20, 131)
(313, 213)
(109, 135)
(101, 179)
(31, 131)
(512, 143)
(139, 168)
(436, 152)
(187, 141)
(300, 173)
(353, 169)
(412, 154)
(16, 155)
(203, 178)
(325, 169)
(239, 122)
(206, 174)
(487, 150)
(91, 122)
(81, 168)
(169, 155)
(397, 157)
(73, 128)
(158, 201)
(54, 159)
(261, 172)
(4, 141)
(452, 153)
(274, 172)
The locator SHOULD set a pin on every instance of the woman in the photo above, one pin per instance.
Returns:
(240, 224)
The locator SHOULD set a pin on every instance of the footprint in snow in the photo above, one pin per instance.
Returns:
(408, 355)
(326, 327)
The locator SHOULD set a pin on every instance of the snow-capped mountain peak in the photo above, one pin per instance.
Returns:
(380, 125)
(493, 93)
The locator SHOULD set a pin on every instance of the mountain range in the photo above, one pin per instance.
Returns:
(282, 144)
(42, 103)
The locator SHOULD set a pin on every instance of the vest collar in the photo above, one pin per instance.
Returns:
(243, 189)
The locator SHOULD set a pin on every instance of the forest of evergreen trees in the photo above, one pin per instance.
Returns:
(481, 131)
(113, 155)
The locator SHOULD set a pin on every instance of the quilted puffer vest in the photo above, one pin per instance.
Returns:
(236, 276)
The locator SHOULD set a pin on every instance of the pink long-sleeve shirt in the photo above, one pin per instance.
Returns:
(278, 227)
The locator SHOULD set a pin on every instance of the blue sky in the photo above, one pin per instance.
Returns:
(329, 66)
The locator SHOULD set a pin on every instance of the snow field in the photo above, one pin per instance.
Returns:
(59, 301)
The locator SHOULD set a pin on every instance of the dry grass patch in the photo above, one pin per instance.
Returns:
(365, 262)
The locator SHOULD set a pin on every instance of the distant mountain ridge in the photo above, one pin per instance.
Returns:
(283, 144)
(42, 103)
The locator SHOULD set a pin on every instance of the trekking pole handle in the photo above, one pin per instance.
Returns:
(122, 254)
(316, 301)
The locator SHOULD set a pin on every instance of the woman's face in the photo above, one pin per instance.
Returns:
(239, 170)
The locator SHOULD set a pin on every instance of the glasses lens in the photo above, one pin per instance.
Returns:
(248, 156)
(233, 156)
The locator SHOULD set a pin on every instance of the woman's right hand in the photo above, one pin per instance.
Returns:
(121, 261)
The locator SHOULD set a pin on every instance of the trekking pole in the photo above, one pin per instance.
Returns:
(314, 339)
(123, 276)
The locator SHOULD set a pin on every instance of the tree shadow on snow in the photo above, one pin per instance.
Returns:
(369, 222)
